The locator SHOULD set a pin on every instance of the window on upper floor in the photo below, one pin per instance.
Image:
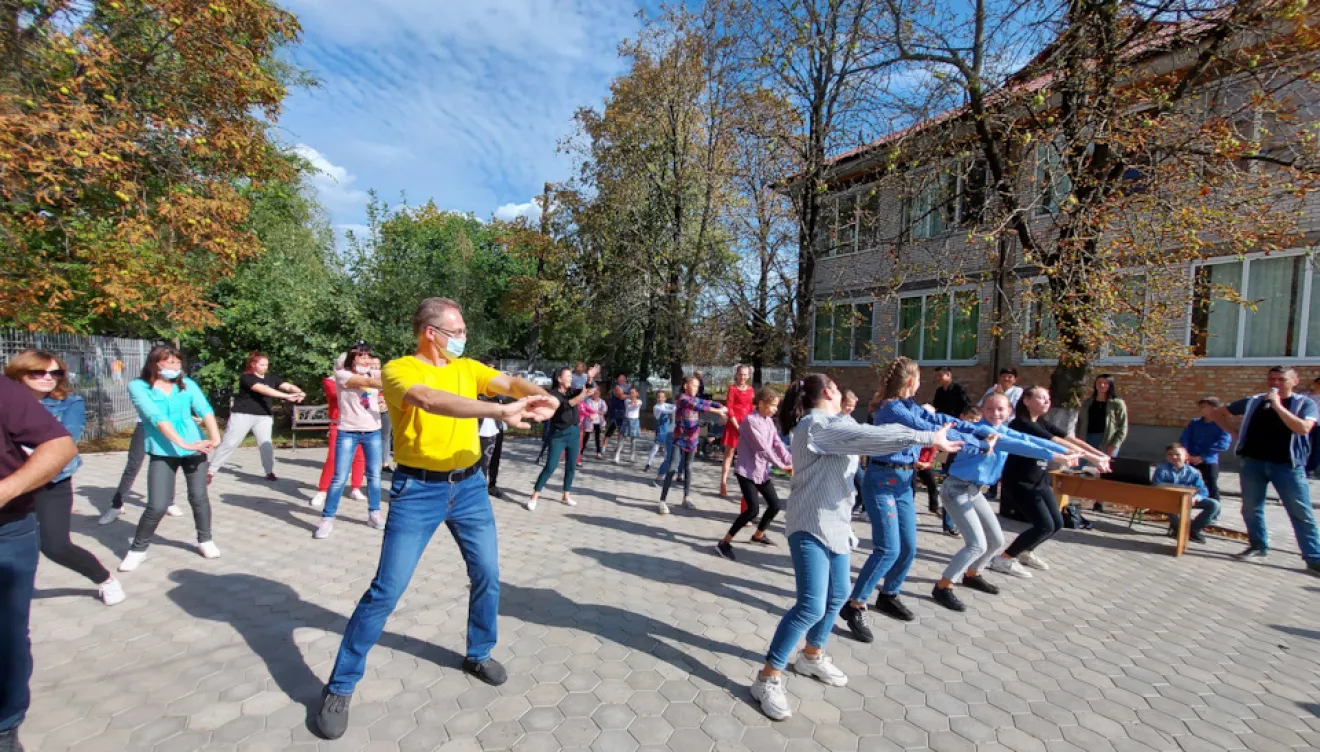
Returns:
(843, 332)
(1052, 180)
(947, 199)
(1282, 322)
(1041, 335)
(939, 327)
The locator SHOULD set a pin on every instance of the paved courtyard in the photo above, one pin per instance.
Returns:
(622, 630)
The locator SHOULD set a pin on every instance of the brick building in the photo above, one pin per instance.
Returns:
(902, 271)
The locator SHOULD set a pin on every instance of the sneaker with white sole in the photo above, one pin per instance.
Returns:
(530, 504)
(111, 592)
(1033, 560)
(357, 495)
(664, 508)
(376, 520)
(687, 504)
(820, 667)
(109, 515)
(208, 550)
(174, 511)
(318, 500)
(323, 529)
(570, 501)
(131, 560)
(769, 691)
(1009, 567)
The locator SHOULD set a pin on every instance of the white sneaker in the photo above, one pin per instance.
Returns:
(131, 560)
(1033, 560)
(1009, 567)
(376, 520)
(208, 550)
(570, 501)
(174, 511)
(530, 504)
(357, 495)
(109, 515)
(687, 504)
(318, 500)
(112, 592)
(822, 668)
(769, 691)
(323, 529)
(664, 508)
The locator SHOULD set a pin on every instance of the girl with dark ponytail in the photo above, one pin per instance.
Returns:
(824, 447)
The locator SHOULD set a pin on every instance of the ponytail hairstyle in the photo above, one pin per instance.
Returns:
(897, 375)
(1023, 412)
(803, 396)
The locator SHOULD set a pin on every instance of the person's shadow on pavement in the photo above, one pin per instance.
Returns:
(266, 612)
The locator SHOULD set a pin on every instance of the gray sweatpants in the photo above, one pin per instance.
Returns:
(240, 424)
(983, 539)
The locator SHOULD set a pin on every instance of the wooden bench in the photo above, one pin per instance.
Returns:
(309, 418)
(1167, 499)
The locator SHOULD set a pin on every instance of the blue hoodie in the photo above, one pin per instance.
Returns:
(1205, 439)
(906, 412)
(979, 468)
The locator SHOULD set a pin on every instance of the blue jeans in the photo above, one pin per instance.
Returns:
(887, 494)
(345, 447)
(1209, 513)
(416, 510)
(1290, 482)
(822, 589)
(19, 550)
(669, 456)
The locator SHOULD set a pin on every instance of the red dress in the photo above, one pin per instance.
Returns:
(740, 406)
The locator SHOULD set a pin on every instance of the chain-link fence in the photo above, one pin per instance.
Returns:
(99, 371)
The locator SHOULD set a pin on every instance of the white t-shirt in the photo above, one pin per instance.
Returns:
(488, 427)
(632, 410)
(1014, 394)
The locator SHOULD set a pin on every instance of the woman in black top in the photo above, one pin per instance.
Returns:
(563, 432)
(251, 413)
(1026, 484)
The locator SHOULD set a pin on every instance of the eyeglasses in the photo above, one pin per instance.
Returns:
(54, 373)
(448, 333)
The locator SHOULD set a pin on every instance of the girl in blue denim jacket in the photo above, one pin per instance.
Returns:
(46, 376)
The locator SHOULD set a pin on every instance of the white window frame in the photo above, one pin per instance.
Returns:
(947, 293)
(851, 340)
(1029, 305)
(957, 169)
(1309, 269)
(1043, 209)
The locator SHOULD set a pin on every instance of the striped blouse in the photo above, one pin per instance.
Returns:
(825, 449)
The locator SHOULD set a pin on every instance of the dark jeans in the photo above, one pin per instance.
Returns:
(562, 440)
(491, 449)
(545, 440)
(1210, 474)
(1038, 505)
(927, 478)
(684, 469)
(137, 452)
(19, 551)
(592, 430)
(161, 473)
(750, 506)
(54, 510)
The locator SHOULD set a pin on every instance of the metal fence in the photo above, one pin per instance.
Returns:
(715, 376)
(99, 371)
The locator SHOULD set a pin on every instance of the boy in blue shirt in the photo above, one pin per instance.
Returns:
(1204, 439)
(1175, 471)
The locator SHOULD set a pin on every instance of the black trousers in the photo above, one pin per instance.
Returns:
(54, 511)
(1210, 474)
(927, 477)
(161, 473)
(751, 508)
(593, 429)
(491, 448)
(1037, 504)
(137, 453)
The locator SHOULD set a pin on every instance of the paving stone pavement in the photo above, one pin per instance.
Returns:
(622, 630)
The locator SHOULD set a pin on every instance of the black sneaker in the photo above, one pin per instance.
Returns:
(946, 597)
(952, 532)
(934, 508)
(497, 493)
(856, 619)
(1311, 566)
(489, 671)
(1196, 537)
(726, 550)
(764, 540)
(332, 721)
(977, 582)
(1252, 554)
(891, 606)
(9, 741)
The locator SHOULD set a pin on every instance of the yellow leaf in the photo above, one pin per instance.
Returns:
(123, 196)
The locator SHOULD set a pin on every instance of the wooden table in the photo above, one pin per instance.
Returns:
(1167, 499)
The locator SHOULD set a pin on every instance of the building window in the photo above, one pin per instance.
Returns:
(1042, 340)
(843, 333)
(1122, 339)
(1052, 179)
(938, 327)
(948, 199)
(925, 213)
(1282, 322)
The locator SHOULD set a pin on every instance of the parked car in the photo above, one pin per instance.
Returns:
(539, 378)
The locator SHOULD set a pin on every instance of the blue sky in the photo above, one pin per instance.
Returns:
(460, 101)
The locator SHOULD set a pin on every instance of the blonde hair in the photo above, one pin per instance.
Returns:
(36, 360)
(897, 375)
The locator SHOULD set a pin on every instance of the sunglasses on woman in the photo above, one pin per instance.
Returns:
(55, 373)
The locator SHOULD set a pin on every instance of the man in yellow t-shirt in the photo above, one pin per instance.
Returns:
(432, 398)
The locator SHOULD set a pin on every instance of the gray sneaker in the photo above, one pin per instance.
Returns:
(332, 721)
(323, 530)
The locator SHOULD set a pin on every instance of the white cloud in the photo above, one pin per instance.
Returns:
(332, 182)
(531, 211)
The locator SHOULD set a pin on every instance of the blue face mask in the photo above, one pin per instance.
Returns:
(456, 347)
(170, 374)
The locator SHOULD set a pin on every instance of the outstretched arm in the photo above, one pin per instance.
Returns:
(517, 413)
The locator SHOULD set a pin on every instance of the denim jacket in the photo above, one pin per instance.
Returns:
(1187, 476)
(71, 412)
(906, 412)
